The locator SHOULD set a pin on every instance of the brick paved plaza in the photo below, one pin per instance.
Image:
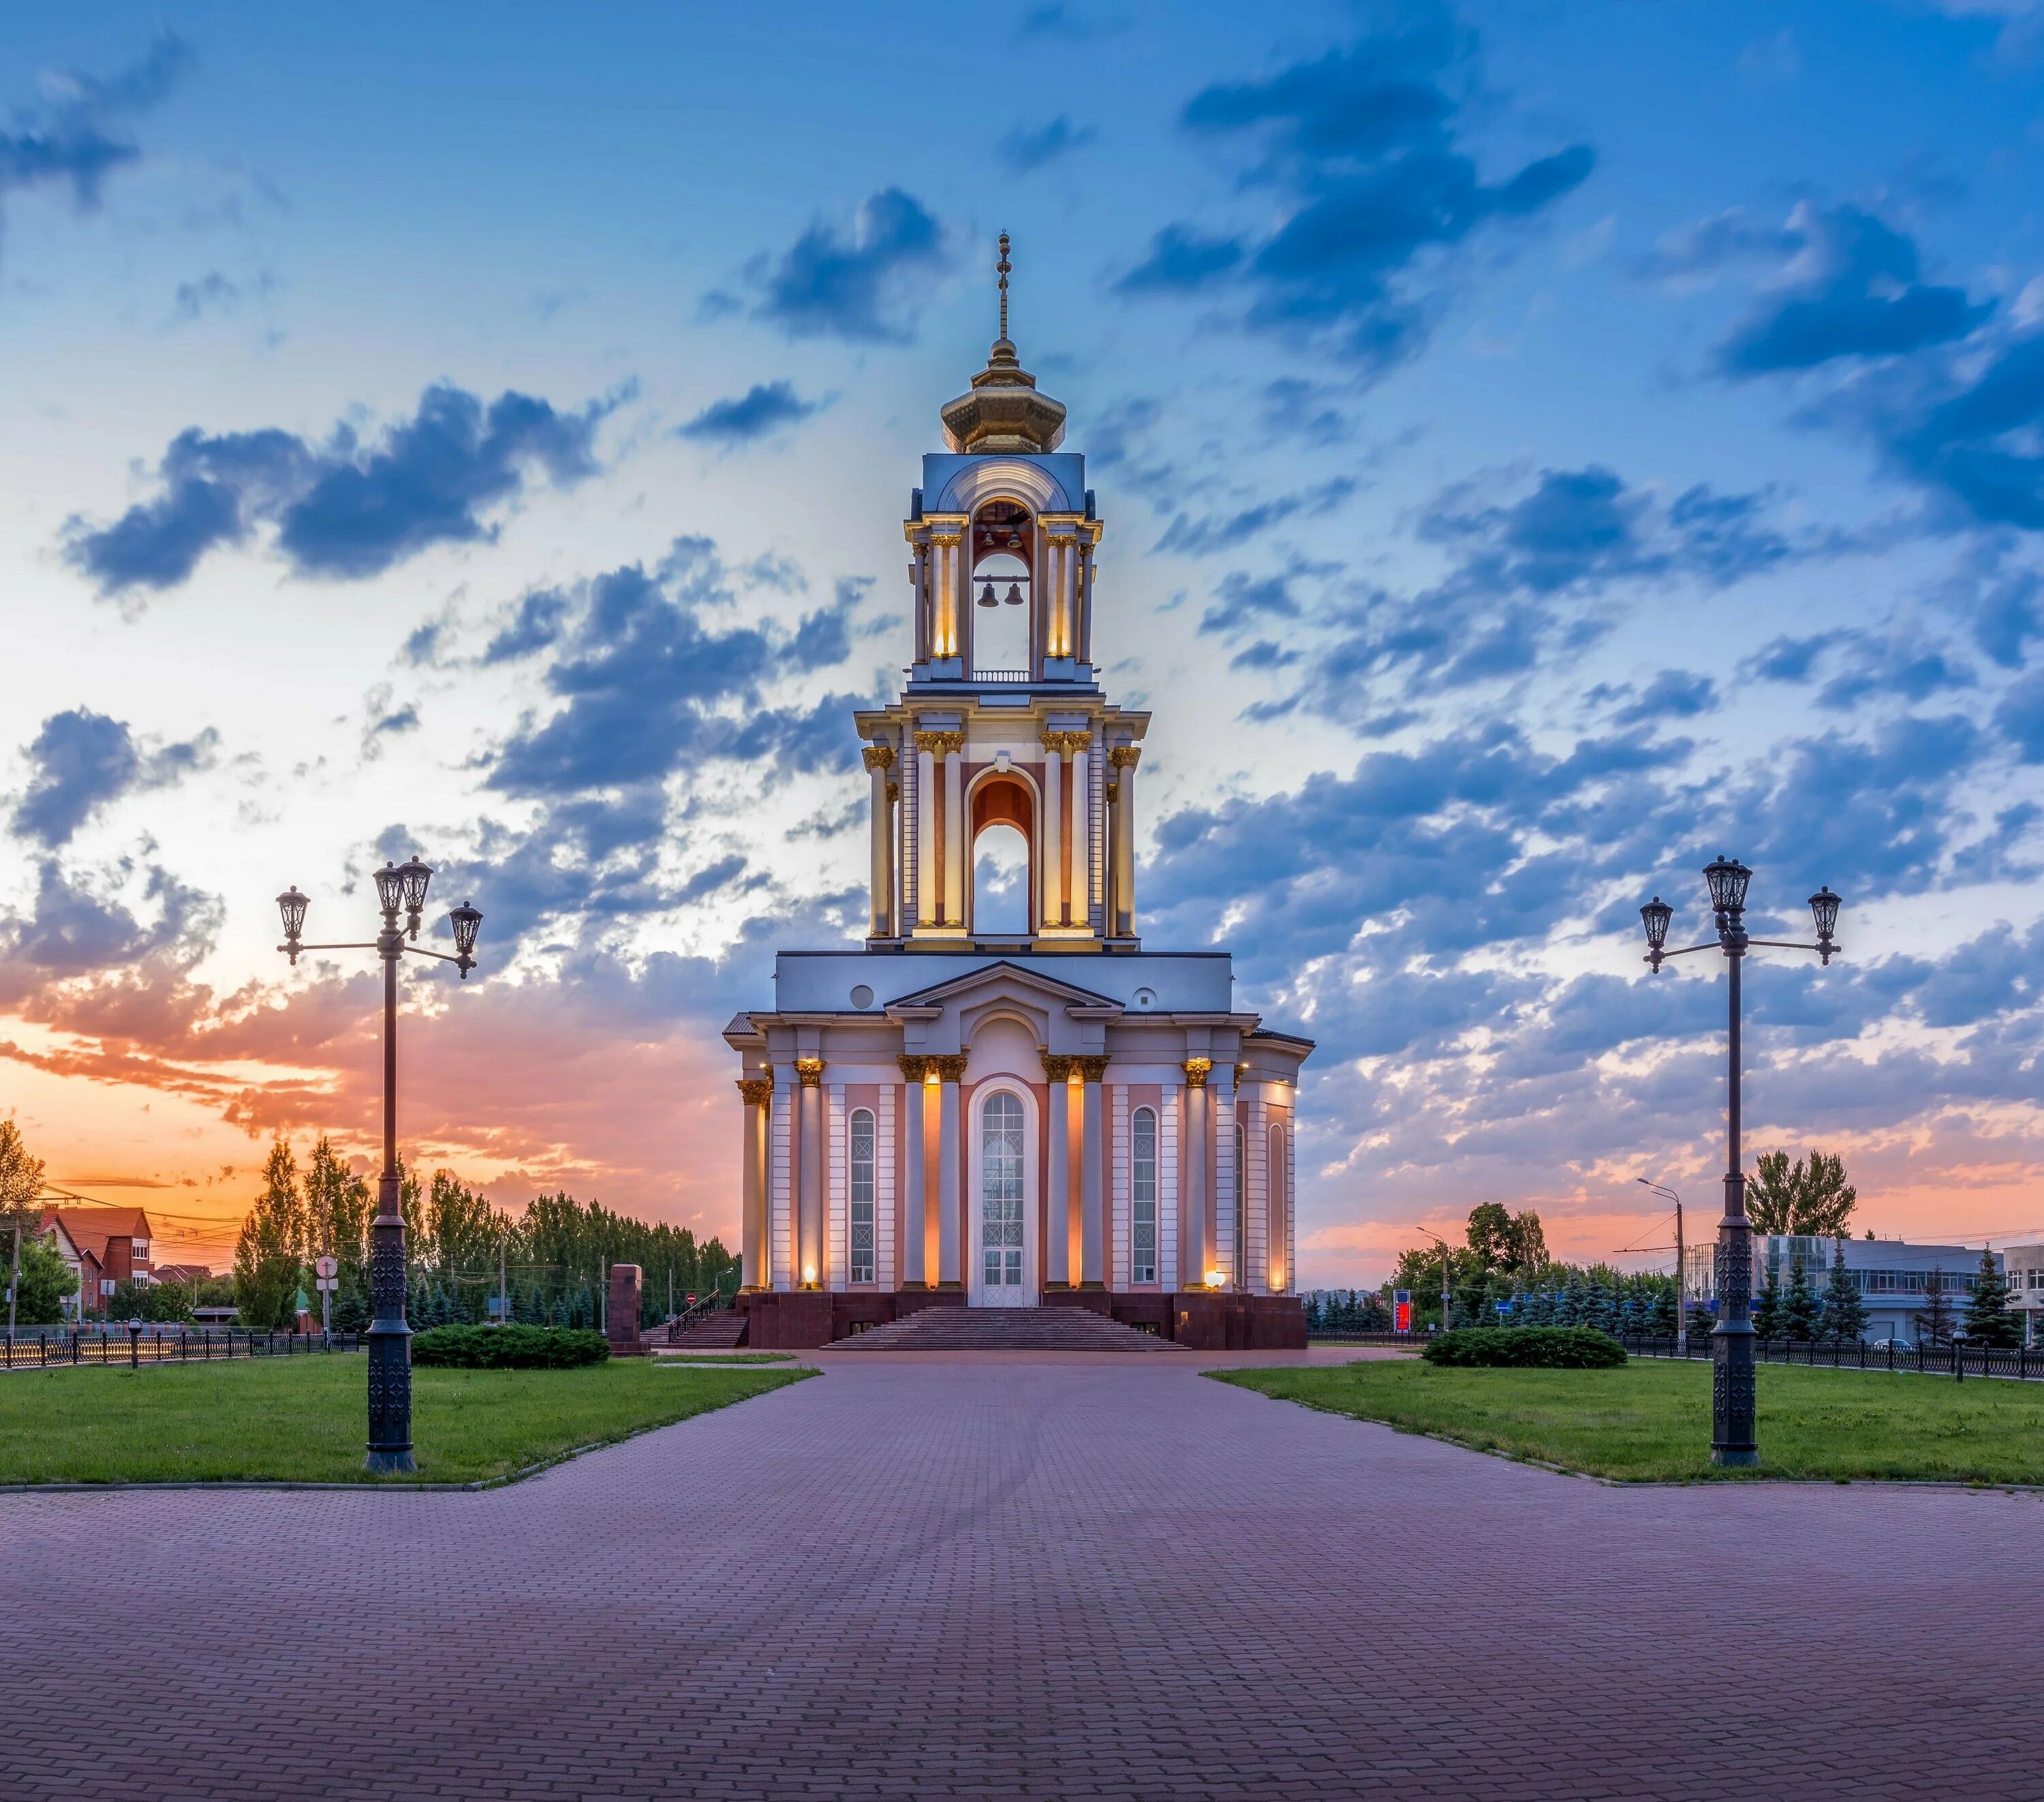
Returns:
(1054, 1578)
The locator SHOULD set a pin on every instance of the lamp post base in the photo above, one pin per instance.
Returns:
(384, 1463)
(1728, 1460)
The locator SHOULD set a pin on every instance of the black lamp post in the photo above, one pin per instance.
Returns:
(1732, 1442)
(400, 887)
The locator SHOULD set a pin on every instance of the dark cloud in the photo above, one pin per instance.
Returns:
(76, 139)
(764, 407)
(1674, 694)
(534, 625)
(1786, 659)
(1855, 290)
(1877, 666)
(82, 760)
(1200, 537)
(2020, 717)
(1025, 149)
(866, 284)
(343, 509)
(1361, 144)
(74, 932)
(1969, 428)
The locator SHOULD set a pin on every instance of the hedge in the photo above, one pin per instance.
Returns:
(1554, 1348)
(510, 1347)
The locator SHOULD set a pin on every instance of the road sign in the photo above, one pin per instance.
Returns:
(325, 1283)
(326, 1266)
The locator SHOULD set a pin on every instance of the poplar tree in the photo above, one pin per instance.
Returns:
(267, 1255)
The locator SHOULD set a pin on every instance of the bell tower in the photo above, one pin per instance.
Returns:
(1002, 720)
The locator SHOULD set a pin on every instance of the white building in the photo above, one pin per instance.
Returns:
(2023, 1266)
(969, 1114)
(1894, 1275)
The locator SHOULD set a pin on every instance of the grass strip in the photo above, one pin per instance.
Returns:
(304, 1419)
(1650, 1421)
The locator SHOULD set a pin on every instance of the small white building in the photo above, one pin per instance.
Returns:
(2023, 1266)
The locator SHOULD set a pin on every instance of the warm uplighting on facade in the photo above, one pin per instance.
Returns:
(809, 1275)
(1213, 1279)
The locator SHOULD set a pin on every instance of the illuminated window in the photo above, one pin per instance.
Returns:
(862, 1195)
(1142, 1196)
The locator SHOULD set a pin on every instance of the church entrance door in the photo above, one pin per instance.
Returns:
(1003, 1276)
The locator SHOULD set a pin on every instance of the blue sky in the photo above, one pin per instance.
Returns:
(1541, 448)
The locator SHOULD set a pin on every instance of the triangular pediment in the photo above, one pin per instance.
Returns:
(1002, 976)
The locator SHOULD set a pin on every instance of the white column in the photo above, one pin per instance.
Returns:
(758, 1091)
(1092, 1069)
(915, 1153)
(1068, 591)
(1196, 1258)
(1080, 874)
(808, 1248)
(1051, 854)
(929, 886)
(879, 760)
(956, 848)
(1124, 757)
(949, 1071)
(1058, 1175)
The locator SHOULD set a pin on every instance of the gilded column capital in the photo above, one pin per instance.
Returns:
(1123, 756)
(940, 745)
(949, 540)
(1066, 743)
(949, 1069)
(758, 1090)
(893, 793)
(879, 756)
(1093, 1069)
(1056, 1069)
(810, 1071)
(1197, 1071)
(911, 1067)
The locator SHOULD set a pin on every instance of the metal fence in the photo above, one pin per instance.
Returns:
(46, 1350)
(2025, 1363)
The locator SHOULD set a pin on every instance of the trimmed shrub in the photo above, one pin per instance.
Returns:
(510, 1347)
(1550, 1348)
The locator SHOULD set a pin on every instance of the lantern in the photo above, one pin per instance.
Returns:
(1727, 879)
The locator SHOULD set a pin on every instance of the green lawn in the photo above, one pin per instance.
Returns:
(304, 1419)
(1650, 1421)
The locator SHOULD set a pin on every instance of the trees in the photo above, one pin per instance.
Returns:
(1504, 1241)
(267, 1254)
(1810, 1198)
(1799, 1304)
(1934, 1320)
(1845, 1313)
(1990, 1319)
(1767, 1308)
(45, 1281)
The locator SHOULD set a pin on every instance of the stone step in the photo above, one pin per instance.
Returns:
(1004, 1329)
(722, 1332)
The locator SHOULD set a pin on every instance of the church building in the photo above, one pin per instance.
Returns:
(984, 1109)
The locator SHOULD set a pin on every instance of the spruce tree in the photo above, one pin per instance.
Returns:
(1799, 1305)
(1845, 1313)
(1664, 1314)
(1934, 1319)
(1990, 1319)
(1767, 1308)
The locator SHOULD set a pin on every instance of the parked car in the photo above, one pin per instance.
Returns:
(1884, 1346)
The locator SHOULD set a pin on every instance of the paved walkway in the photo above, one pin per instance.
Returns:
(995, 1580)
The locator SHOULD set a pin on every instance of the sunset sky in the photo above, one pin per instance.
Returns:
(1540, 446)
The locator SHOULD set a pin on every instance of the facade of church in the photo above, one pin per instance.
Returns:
(958, 1117)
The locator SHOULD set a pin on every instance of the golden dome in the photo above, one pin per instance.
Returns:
(1002, 411)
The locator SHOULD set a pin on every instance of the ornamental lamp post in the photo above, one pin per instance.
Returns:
(1732, 1441)
(400, 888)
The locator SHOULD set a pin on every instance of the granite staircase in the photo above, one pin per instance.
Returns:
(1003, 1329)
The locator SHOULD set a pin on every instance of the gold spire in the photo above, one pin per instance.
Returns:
(1003, 412)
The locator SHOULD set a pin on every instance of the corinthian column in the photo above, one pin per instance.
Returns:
(758, 1093)
(879, 760)
(1123, 758)
(956, 848)
(951, 1071)
(809, 1260)
(1194, 1256)
(915, 1160)
(1091, 1251)
(1079, 874)
(1051, 853)
(1058, 1174)
(929, 884)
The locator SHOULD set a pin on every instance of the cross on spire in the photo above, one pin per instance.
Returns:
(1004, 266)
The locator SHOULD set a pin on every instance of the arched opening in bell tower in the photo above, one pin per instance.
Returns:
(1003, 543)
(1003, 809)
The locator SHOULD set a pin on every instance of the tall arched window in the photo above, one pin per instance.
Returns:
(1000, 1192)
(1143, 1196)
(1241, 1211)
(1280, 1199)
(863, 1187)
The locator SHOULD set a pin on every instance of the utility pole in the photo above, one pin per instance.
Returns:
(503, 1315)
(1446, 1294)
(14, 1286)
(1681, 1277)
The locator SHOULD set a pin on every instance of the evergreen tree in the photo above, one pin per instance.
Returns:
(1845, 1313)
(267, 1253)
(1663, 1315)
(1990, 1319)
(1934, 1320)
(1573, 1308)
(1703, 1322)
(1799, 1305)
(1767, 1308)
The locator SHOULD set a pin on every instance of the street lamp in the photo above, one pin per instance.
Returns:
(1681, 1295)
(1447, 1295)
(400, 888)
(1732, 1442)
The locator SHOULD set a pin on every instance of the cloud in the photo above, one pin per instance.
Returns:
(866, 284)
(1674, 694)
(1200, 537)
(1852, 288)
(74, 139)
(1376, 192)
(343, 510)
(765, 407)
(73, 932)
(2021, 717)
(83, 761)
(212, 293)
(534, 625)
(1026, 148)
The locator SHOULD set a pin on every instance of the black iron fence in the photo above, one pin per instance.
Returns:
(46, 1349)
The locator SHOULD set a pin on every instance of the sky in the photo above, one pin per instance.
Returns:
(1541, 447)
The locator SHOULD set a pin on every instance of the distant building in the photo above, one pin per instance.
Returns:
(182, 1273)
(105, 1246)
(2023, 1266)
(1893, 1276)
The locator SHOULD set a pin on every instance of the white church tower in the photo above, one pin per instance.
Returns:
(1020, 1111)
